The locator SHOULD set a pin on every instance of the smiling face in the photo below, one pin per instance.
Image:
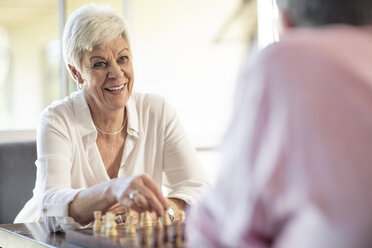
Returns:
(107, 75)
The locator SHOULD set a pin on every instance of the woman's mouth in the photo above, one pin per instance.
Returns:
(117, 88)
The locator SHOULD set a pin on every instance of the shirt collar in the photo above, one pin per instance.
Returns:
(84, 119)
(132, 115)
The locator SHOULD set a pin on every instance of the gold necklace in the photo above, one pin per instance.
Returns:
(115, 132)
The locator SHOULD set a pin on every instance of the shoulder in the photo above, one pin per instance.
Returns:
(61, 110)
(293, 45)
(151, 103)
(304, 53)
(148, 99)
(325, 43)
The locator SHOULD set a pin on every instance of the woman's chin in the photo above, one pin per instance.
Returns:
(120, 105)
(118, 101)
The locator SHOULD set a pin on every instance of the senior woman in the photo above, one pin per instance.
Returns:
(105, 147)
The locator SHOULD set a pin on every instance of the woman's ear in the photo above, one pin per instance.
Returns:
(75, 74)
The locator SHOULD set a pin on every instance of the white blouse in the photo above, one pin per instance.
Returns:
(68, 159)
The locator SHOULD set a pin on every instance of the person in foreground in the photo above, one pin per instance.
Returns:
(297, 161)
(105, 147)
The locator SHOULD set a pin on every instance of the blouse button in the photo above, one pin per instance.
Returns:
(122, 166)
(45, 210)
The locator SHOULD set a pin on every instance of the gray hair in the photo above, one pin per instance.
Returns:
(324, 12)
(88, 26)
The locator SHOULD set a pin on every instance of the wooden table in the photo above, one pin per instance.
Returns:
(30, 235)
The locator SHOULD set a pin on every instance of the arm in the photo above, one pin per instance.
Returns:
(184, 174)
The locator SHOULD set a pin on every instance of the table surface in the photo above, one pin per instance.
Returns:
(36, 235)
(30, 235)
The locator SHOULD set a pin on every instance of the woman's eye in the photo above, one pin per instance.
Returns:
(100, 64)
(123, 59)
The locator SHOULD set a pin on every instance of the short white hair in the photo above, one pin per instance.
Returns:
(88, 26)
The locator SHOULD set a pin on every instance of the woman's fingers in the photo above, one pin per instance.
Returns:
(137, 208)
(148, 200)
(143, 194)
(149, 196)
(138, 202)
(118, 209)
(156, 190)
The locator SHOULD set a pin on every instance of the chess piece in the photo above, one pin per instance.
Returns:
(147, 222)
(132, 229)
(182, 217)
(167, 220)
(128, 221)
(179, 231)
(130, 226)
(159, 232)
(159, 224)
(103, 225)
(130, 239)
(141, 219)
(178, 235)
(111, 225)
(182, 220)
(97, 221)
(167, 229)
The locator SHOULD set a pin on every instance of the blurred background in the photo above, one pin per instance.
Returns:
(189, 51)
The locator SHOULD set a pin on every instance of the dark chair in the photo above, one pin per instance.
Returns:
(17, 177)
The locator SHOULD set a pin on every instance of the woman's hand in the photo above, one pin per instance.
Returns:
(139, 193)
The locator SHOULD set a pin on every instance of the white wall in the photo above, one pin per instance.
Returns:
(175, 55)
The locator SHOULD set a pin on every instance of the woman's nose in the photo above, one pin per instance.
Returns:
(115, 71)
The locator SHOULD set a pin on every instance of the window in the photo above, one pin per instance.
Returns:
(27, 27)
(268, 23)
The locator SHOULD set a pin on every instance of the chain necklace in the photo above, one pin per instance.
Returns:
(115, 132)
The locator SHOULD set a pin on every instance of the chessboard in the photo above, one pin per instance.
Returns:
(145, 234)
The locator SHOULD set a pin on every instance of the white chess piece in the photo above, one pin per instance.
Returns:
(97, 221)
(111, 225)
